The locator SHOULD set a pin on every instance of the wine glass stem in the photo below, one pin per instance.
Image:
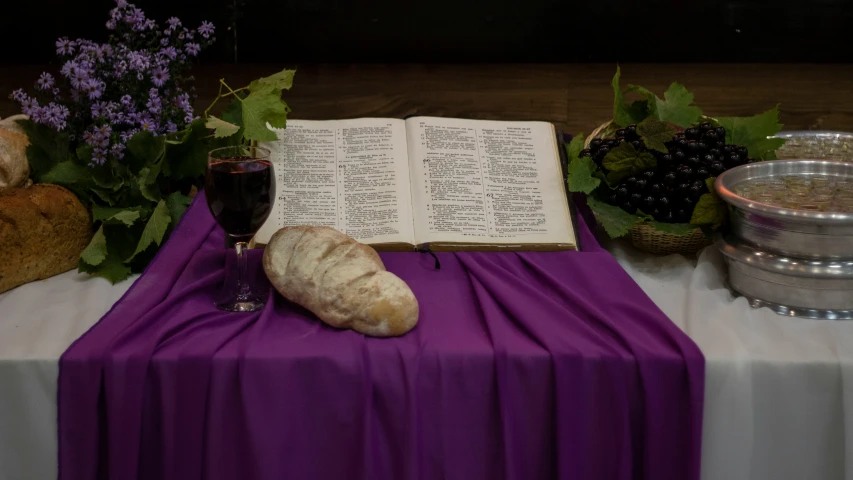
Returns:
(242, 249)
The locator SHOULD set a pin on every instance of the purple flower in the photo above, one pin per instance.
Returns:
(55, 92)
(64, 47)
(193, 49)
(154, 105)
(138, 61)
(111, 25)
(188, 118)
(45, 81)
(78, 82)
(99, 109)
(115, 14)
(94, 88)
(169, 52)
(150, 25)
(117, 151)
(171, 127)
(135, 16)
(164, 41)
(206, 29)
(98, 156)
(139, 76)
(173, 22)
(19, 95)
(149, 124)
(159, 76)
(69, 68)
(126, 100)
(121, 3)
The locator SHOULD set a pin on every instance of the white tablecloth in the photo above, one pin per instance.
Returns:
(778, 392)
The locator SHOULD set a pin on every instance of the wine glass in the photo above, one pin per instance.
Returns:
(240, 191)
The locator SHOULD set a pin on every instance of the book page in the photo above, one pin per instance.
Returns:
(492, 182)
(352, 175)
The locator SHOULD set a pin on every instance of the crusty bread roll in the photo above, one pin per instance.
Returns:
(341, 281)
(14, 167)
(43, 230)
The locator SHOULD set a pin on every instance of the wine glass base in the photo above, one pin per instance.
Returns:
(243, 306)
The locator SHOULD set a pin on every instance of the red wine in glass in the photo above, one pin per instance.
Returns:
(240, 191)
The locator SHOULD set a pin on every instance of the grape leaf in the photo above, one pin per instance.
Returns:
(47, 147)
(221, 127)
(154, 230)
(260, 109)
(673, 228)
(615, 221)
(710, 210)
(110, 268)
(624, 114)
(754, 132)
(624, 161)
(573, 149)
(144, 149)
(675, 107)
(67, 174)
(233, 113)
(96, 251)
(148, 182)
(276, 82)
(114, 215)
(177, 205)
(188, 158)
(581, 178)
(655, 133)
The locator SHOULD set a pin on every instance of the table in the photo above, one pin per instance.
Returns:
(779, 391)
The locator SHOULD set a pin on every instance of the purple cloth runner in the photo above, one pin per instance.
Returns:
(523, 366)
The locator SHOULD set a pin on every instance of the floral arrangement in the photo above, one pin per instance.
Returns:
(655, 162)
(117, 128)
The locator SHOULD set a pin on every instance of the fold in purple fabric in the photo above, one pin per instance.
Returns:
(522, 366)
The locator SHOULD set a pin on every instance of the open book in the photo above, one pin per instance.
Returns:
(448, 183)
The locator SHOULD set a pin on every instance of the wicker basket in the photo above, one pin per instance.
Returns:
(647, 238)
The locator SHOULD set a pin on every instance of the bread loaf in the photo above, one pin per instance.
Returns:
(43, 230)
(341, 281)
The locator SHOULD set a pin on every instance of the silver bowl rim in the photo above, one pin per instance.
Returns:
(730, 197)
(744, 253)
(813, 133)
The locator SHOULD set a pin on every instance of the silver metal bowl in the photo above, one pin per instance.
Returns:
(789, 286)
(796, 233)
(816, 144)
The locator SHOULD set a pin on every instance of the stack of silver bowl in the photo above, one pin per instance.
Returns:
(796, 262)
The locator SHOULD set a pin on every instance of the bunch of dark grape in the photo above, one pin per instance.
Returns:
(670, 191)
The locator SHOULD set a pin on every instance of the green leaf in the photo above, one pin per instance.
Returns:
(67, 174)
(96, 251)
(655, 133)
(623, 114)
(573, 149)
(615, 221)
(148, 183)
(189, 158)
(177, 205)
(710, 210)
(679, 229)
(115, 215)
(581, 177)
(110, 268)
(276, 82)
(233, 113)
(624, 161)
(260, 109)
(221, 127)
(145, 149)
(155, 229)
(676, 107)
(47, 147)
(753, 132)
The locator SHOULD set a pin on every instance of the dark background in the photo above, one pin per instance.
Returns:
(311, 31)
